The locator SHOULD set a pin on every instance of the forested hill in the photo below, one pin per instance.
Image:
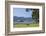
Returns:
(21, 19)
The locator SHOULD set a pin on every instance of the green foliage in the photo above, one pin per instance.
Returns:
(27, 24)
(35, 14)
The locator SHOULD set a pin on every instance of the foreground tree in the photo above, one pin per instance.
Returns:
(35, 14)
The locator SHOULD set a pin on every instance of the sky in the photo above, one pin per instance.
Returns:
(21, 12)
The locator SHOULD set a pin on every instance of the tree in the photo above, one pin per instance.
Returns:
(35, 14)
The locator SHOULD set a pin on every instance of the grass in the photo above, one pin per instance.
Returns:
(26, 25)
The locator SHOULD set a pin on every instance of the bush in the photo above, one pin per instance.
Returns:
(27, 24)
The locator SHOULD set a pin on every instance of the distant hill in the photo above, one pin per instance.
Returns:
(21, 19)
